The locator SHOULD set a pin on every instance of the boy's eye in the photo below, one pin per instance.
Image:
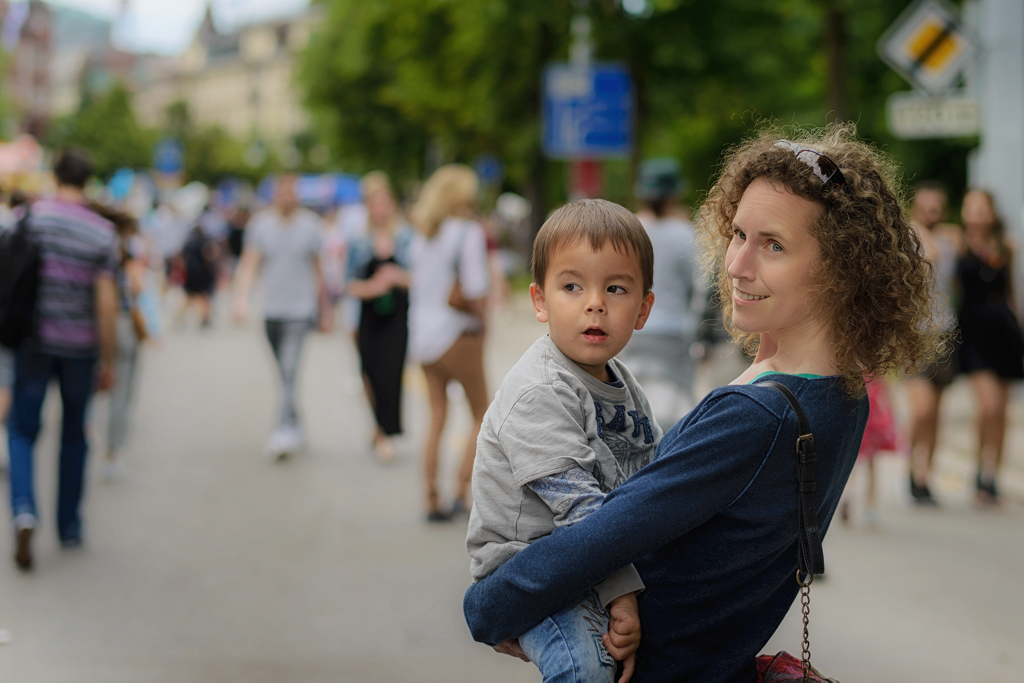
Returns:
(739, 234)
(776, 247)
(572, 287)
(616, 289)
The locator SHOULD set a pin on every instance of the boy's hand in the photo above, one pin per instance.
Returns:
(623, 637)
(511, 647)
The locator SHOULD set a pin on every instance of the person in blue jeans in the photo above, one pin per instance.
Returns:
(569, 425)
(823, 280)
(76, 309)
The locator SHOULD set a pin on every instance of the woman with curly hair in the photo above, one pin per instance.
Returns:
(821, 278)
(993, 346)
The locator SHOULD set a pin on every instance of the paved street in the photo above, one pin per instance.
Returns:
(208, 563)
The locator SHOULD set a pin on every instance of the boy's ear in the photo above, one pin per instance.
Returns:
(540, 306)
(645, 311)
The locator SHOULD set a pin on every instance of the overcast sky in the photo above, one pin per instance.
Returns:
(167, 26)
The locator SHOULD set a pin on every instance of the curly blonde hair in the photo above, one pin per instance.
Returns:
(873, 285)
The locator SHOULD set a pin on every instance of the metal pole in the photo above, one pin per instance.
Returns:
(998, 163)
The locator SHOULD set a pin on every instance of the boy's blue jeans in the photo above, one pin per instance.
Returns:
(567, 646)
(33, 371)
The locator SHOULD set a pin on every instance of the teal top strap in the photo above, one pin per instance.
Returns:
(799, 374)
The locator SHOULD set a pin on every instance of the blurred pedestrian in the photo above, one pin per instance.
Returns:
(992, 352)
(238, 219)
(6, 384)
(284, 242)
(449, 286)
(77, 311)
(881, 434)
(941, 243)
(200, 255)
(130, 277)
(378, 265)
(8, 219)
(659, 355)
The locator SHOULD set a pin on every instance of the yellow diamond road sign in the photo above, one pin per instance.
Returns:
(928, 45)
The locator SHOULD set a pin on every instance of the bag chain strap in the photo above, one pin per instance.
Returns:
(810, 558)
(805, 607)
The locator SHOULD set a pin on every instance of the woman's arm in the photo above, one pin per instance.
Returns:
(367, 289)
(699, 472)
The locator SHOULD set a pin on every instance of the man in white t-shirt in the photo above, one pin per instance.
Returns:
(284, 241)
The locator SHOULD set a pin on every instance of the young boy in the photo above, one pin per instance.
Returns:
(568, 425)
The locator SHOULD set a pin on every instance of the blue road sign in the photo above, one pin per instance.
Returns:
(169, 156)
(588, 111)
(489, 169)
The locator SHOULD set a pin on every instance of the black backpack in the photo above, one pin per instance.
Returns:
(19, 283)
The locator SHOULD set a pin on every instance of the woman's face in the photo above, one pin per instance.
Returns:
(977, 210)
(380, 207)
(771, 260)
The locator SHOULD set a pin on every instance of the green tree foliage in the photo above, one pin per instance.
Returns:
(391, 81)
(106, 125)
(211, 154)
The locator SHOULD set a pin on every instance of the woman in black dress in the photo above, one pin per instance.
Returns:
(378, 265)
(992, 353)
(200, 255)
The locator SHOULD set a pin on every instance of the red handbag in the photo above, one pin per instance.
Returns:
(784, 667)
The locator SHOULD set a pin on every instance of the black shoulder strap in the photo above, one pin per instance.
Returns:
(810, 558)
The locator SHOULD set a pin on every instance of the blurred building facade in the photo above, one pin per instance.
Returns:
(55, 54)
(28, 37)
(240, 81)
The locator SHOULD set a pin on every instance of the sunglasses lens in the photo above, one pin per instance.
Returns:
(824, 168)
(831, 171)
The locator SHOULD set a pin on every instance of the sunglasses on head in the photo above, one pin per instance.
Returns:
(824, 168)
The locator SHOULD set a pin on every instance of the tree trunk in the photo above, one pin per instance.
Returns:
(837, 97)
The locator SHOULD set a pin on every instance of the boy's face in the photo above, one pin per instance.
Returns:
(592, 301)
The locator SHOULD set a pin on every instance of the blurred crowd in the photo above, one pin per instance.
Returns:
(414, 277)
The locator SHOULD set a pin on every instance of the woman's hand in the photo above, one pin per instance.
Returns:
(623, 637)
(511, 648)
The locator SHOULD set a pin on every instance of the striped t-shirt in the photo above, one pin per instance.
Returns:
(76, 245)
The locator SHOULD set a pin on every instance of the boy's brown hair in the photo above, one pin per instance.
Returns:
(597, 221)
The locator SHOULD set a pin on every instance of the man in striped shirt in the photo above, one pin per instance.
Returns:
(76, 311)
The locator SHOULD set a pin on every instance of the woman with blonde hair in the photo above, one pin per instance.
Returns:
(822, 279)
(378, 268)
(449, 286)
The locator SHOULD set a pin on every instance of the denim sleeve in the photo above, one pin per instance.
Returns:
(698, 472)
(571, 495)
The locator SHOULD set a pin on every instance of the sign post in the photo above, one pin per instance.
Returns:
(998, 162)
(930, 47)
(914, 116)
(587, 113)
